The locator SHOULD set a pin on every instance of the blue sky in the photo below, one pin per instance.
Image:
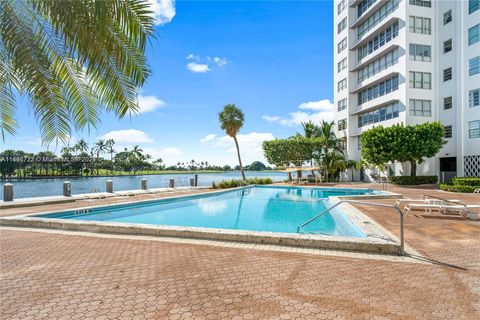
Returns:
(273, 59)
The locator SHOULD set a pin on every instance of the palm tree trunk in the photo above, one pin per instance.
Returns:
(239, 158)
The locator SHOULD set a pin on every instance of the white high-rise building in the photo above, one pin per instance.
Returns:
(410, 61)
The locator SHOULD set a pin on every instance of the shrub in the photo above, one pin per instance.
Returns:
(413, 180)
(225, 184)
(457, 188)
(473, 182)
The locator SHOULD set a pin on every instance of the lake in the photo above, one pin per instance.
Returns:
(54, 186)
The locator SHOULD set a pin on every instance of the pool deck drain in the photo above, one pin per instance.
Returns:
(411, 256)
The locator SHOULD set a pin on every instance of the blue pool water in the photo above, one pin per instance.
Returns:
(261, 208)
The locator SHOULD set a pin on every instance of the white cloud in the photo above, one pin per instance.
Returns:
(321, 105)
(128, 136)
(220, 61)
(149, 103)
(163, 11)
(191, 56)
(208, 138)
(315, 111)
(170, 151)
(198, 64)
(250, 147)
(197, 67)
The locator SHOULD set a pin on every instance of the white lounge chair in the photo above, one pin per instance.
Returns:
(428, 205)
(477, 190)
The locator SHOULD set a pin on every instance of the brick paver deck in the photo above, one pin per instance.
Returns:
(69, 276)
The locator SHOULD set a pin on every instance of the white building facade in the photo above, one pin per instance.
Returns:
(410, 61)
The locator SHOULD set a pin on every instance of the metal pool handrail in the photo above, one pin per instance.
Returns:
(402, 240)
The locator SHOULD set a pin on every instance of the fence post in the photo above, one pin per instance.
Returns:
(109, 186)
(171, 183)
(8, 192)
(196, 180)
(144, 184)
(192, 182)
(67, 189)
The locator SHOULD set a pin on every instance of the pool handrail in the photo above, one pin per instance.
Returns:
(402, 240)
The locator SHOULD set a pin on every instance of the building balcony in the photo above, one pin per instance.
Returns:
(381, 76)
(375, 103)
(367, 14)
(390, 46)
(376, 30)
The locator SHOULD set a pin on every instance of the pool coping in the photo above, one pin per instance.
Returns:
(378, 240)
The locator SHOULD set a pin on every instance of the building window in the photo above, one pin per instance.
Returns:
(341, 6)
(342, 124)
(447, 17)
(359, 142)
(474, 66)
(474, 34)
(342, 64)
(447, 74)
(342, 143)
(342, 25)
(420, 108)
(342, 84)
(378, 90)
(381, 114)
(378, 65)
(377, 17)
(363, 6)
(473, 6)
(420, 25)
(420, 52)
(474, 129)
(448, 132)
(447, 103)
(378, 41)
(447, 46)
(342, 104)
(474, 98)
(420, 80)
(421, 3)
(342, 45)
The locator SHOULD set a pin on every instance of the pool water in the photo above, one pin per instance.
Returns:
(260, 208)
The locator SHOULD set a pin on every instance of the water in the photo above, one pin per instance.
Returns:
(54, 187)
(275, 209)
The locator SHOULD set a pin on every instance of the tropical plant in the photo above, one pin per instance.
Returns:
(310, 130)
(411, 143)
(351, 165)
(99, 148)
(81, 146)
(231, 120)
(109, 148)
(72, 59)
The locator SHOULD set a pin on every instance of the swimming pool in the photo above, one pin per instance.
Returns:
(259, 208)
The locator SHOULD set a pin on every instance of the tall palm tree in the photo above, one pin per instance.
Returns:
(231, 120)
(73, 59)
(310, 130)
(81, 145)
(109, 148)
(99, 148)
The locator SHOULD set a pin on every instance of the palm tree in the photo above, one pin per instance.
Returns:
(351, 164)
(109, 148)
(81, 146)
(99, 147)
(231, 120)
(138, 153)
(73, 59)
(310, 130)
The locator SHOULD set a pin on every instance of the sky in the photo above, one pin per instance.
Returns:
(273, 59)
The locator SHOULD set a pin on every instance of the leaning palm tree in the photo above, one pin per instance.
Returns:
(231, 120)
(73, 60)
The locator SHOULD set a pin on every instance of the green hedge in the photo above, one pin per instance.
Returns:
(409, 180)
(473, 182)
(225, 184)
(457, 188)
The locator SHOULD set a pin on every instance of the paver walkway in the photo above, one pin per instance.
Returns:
(49, 276)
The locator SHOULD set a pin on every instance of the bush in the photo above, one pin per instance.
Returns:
(413, 180)
(473, 182)
(457, 188)
(225, 184)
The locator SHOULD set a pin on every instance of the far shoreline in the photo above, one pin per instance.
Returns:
(166, 172)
